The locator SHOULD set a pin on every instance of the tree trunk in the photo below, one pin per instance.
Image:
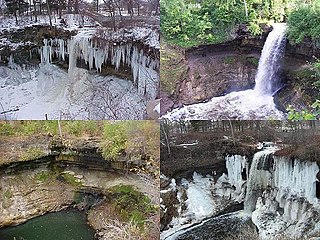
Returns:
(49, 13)
(245, 8)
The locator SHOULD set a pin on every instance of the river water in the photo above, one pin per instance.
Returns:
(64, 225)
(216, 228)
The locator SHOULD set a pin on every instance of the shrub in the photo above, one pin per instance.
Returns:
(304, 23)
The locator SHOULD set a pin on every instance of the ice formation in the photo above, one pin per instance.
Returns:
(235, 166)
(232, 184)
(295, 178)
(259, 177)
(96, 53)
(46, 90)
(281, 194)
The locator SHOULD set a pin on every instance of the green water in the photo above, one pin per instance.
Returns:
(64, 225)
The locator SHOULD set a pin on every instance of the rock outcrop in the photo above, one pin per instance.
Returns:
(217, 69)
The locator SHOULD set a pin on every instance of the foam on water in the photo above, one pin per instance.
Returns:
(257, 103)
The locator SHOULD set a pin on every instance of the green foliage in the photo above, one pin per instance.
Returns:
(6, 129)
(32, 153)
(29, 128)
(316, 68)
(43, 176)
(304, 23)
(255, 28)
(7, 194)
(254, 61)
(80, 128)
(184, 23)
(115, 135)
(313, 114)
(189, 22)
(133, 138)
(144, 140)
(70, 179)
(130, 204)
(229, 60)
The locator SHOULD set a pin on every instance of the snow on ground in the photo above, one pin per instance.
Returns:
(47, 90)
(199, 204)
(79, 94)
(73, 21)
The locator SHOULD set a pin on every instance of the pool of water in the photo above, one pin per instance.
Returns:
(64, 225)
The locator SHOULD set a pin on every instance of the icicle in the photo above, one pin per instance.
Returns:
(295, 177)
(259, 178)
(90, 52)
(135, 65)
(235, 165)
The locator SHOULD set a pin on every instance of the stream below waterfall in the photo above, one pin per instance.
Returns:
(215, 228)
(64, 225)
(257, 103)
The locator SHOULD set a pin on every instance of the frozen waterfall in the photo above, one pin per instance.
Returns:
(260, 177)
(269, 63)
(97, 53)
(290, 178)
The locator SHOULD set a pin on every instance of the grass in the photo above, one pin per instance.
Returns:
(130, 204)
(29, 128)
(43, 176)
(253, 61)
(229, 60)
(7, 194)
(32, 153)
(69, 179)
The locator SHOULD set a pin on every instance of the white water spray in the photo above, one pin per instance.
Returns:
(270, 61)
(250, 104)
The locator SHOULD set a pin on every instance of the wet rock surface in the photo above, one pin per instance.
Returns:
(217, 69)
(70, 174)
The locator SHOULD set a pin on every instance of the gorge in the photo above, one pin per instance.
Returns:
(69, 182)
(54, 71)
(233, 190)
(217, 81)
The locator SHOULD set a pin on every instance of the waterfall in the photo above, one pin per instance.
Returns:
(290, 177)
(260, 177)
(96, 54)
(269, 63)
(257, 103)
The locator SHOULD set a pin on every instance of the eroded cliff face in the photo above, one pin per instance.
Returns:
(280, 193)
(218, 69)
(57, 174)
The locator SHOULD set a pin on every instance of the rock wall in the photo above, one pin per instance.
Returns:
(203, 157)
(281, 192)
(214, 70)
